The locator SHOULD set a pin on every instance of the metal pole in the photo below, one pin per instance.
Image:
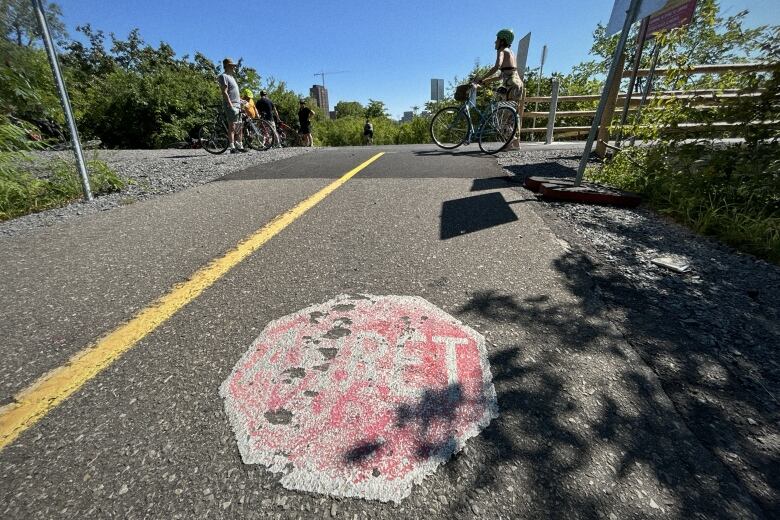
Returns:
(640, 43)
(648, 86)
(64, 99)
(553, 109)
(538, 88)
(631, 14)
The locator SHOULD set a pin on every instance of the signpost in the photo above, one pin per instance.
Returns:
(628, 20)
(640, 44)
(64, 99)
(360, 396)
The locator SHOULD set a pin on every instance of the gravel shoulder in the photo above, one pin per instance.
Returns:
(711, 335)
(150, 173)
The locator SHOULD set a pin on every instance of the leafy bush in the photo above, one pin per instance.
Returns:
(348, 131)
(129, 110)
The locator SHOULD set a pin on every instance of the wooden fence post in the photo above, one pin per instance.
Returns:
(520, 111)
(553, 110)
(609, 109)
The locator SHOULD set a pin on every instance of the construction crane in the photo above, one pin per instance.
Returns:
(323, 73)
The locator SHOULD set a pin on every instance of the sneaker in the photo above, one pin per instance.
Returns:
(242, 149)
(234, 150)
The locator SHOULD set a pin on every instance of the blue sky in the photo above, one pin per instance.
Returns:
(390, 49)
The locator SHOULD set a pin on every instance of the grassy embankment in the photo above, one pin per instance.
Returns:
(731, 193)
(56, 184)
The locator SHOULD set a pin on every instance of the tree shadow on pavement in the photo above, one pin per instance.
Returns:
(585, 429)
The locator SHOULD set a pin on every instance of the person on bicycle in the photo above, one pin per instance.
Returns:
(268, 112)
(511, 88)
(304, 118)
(231, 105)
(368, 132)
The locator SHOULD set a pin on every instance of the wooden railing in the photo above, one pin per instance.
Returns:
(705, 99)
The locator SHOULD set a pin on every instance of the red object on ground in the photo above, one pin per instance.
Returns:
(551, 188)
(589, 193)
(535, 183)
(360, 396)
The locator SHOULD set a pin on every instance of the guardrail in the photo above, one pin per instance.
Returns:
(705, 99)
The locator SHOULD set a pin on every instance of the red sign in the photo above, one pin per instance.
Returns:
(360, 396)
(672, 18)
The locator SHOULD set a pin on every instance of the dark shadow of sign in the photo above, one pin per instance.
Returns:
(470, 214)
(495, 183)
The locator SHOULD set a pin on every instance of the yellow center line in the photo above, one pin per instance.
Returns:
(34, 402)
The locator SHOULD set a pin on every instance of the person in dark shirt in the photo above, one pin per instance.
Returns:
(268, 112)
(304, 118)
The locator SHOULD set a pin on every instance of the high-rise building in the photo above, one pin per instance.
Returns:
(320, 95)
(408, 116)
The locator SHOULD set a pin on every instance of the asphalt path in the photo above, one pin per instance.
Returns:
(149, 438)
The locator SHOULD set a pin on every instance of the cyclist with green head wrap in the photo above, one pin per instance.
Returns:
(511, 88)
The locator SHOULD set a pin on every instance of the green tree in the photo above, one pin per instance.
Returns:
(20, 25)
(375, 110)
(349, 109)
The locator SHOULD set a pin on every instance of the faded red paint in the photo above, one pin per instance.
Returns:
(403, 385)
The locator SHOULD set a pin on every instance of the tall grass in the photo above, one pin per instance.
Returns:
(21, 192)
(732, 193)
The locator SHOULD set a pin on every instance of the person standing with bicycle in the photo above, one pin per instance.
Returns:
(269, 113)
(511, 88)
(231, 105)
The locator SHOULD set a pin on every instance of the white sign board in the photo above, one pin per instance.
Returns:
(646, 8)
(522, 54)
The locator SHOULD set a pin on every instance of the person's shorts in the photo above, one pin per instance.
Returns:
(232, 113)
(368, 134)
(509, 92)
(305, 129)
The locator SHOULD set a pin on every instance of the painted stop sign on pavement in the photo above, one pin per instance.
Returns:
(362, 396)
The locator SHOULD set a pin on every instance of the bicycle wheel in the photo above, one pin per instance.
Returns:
(450, 127)
(497, 130)
(213, 137)
(258, 134)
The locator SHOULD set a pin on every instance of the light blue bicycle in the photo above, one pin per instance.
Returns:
(452, 126)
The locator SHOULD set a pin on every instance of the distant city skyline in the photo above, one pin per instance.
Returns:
(391, 50)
